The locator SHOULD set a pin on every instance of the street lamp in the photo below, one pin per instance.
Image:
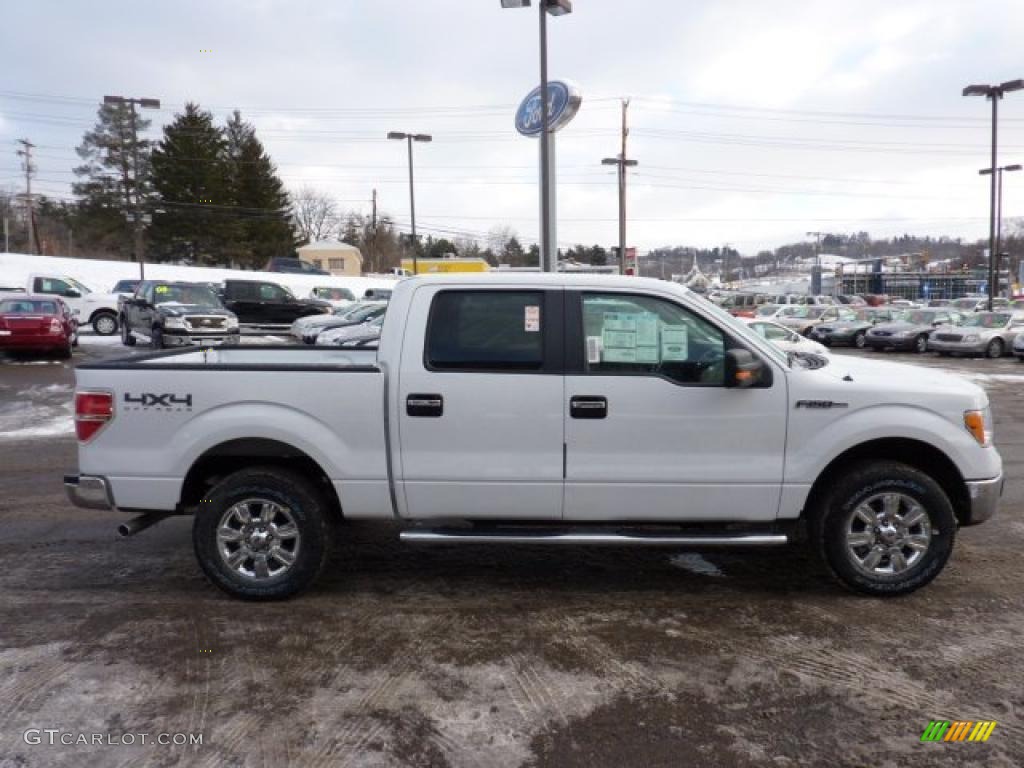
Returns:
(555, 8)
(999, 208)
(410, 138)
(137, 217)
(995, 93)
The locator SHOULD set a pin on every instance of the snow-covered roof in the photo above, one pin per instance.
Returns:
(327, 245)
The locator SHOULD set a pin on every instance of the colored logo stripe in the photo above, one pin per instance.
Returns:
(958, 730)
(982, 730)
(935, 730)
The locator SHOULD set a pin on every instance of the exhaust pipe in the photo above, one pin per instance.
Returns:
(140, 523)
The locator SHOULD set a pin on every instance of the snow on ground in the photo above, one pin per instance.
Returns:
(101, 275)
(39, 411)
(92, 340)
(694, 563)
(987, 378)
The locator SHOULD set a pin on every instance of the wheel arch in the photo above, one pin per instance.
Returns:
(104, 311)
(219, 461)
(915, 453)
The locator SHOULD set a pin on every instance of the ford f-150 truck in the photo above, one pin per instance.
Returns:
(98, 309)
(540, 409)
(168, 313)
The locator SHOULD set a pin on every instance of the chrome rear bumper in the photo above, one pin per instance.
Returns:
(89, 491)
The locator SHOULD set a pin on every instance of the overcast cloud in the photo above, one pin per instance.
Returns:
(735, 106)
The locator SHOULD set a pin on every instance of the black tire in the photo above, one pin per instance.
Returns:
(836, 511)
(859, 339)
(305, 506)
(921, 344)
(945, 354)
(65, 353)
(994, 349)
(156, 338)
(126, 335)
(105, 323)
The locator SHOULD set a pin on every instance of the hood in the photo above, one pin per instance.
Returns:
(844, 324)
(901, 327)
(173, 309)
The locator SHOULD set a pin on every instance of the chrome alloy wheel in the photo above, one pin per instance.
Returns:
(887, 533)
(258, 539)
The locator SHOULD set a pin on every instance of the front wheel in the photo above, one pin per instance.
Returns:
(126, 335)
(884, 528)
(262, 534)
(156, 338)
(994, 348)
(105, 324)
(859, 339)
(921, 344)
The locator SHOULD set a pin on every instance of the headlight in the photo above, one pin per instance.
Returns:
(979, 424)
(174, 322)
(232, 322)
(972, 337)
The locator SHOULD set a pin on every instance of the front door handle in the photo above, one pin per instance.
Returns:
(588, 407)
(431, 406)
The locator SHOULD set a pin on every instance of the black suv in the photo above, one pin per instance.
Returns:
(292, 266)
(260, 302)
(168, 313)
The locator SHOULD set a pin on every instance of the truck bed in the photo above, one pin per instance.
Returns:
(277, 357)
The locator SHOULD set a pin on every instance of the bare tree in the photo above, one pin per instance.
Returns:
(315, 215)
(498, 237)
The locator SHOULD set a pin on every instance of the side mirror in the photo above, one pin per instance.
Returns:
(742, 368)
(71, 293)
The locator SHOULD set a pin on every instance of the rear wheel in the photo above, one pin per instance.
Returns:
(884, 528)
(994, 348)
(105, 324)
(262, 534)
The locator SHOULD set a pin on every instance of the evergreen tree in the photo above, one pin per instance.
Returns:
(262, 226)
(110, 186)
(513, 254)
(193, 215)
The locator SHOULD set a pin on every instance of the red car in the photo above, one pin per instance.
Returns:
(39, 323)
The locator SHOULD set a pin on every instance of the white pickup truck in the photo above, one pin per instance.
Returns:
(97, 309)
(540, 409)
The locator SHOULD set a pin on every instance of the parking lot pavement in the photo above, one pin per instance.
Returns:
(476, 656)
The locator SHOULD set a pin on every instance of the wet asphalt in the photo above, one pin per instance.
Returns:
(478, 656)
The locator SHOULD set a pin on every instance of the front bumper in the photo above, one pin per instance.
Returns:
(174, 338)
(984, 495)
(89, 491)
(961, 347)
(889, 342)
(833, 337)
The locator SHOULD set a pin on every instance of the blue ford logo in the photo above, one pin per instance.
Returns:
(563, 104)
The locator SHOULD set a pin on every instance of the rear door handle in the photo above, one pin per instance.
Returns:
(588, 407)
(430, 406)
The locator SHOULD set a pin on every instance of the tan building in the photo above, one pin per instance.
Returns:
(334, 257)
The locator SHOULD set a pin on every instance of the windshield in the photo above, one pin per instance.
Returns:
(77, 285)
(965, 303)
(28, 307)
(917, 317)
(767, 310)
(987, 320)
(184, 294)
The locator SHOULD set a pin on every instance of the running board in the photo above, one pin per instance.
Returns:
(469, 536)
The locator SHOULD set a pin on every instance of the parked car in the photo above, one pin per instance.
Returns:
(43, 323)
(265, 304)
(978, 304)
(333, 295)
(742, 304)
(932, 303)
(307, 329)
(910, 330)
(99, 309)
(852, 331)
(293, 266)
(785, 339)
(377, 294)
(804, 318)
(359, 335)
(852, 300)
(515, 409)
(125, 287)
(991, 334)
(170, 314)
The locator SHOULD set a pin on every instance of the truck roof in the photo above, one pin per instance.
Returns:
(584, 280)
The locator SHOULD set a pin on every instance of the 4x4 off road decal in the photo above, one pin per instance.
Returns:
(149, 401)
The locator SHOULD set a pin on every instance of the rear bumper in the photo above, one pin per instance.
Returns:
(30, 341)
(89, 491)
(984, 495)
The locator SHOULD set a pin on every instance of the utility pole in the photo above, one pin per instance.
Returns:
(26, 152)
(137, 249)
(816, 286)
(373, 234)
(622, 162)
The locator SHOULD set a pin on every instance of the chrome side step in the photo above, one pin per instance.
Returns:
(600, 538)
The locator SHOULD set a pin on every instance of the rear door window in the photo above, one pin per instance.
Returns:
(486, 331)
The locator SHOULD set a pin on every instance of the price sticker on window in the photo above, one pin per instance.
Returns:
(532, 319)
(162, 289)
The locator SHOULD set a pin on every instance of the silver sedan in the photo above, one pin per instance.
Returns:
(990, 334)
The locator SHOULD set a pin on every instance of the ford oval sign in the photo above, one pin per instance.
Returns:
(563, 104)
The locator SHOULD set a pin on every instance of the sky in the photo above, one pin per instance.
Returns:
(752, 122)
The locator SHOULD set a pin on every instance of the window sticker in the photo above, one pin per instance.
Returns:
(618, 355)
(532, 319)
(593, 349)
(162, 289)
(647, 330)
(674, 343)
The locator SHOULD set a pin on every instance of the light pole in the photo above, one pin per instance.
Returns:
(410, 138)
(137, 217)
(999, 208)
(548, 256)
(816, 284)
(995, 93)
